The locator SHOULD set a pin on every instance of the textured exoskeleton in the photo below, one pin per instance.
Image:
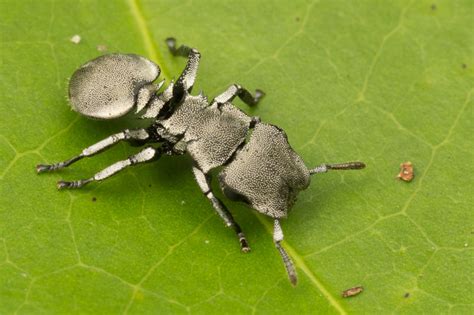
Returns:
(258, 165)
(266, 173)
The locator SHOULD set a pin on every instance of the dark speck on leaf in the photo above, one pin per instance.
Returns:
(94, 199)
(406, 295)
(352, 291)
(464, 66)
(433, 7)
(297, 19)
(149, 185)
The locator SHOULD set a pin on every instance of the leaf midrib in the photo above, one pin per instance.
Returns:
(153, 53)
(150, 46)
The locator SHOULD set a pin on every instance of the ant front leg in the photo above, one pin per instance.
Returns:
(146, 155)
(185, 82)
(139, 135)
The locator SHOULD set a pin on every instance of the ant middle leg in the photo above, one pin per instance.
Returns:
(203, 181)
(237, 90)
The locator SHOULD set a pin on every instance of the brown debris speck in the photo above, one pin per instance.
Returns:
(94, 199)
(352, 291)
(406, 295)
(406, 172)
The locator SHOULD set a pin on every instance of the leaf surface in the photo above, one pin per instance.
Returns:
(380, 82)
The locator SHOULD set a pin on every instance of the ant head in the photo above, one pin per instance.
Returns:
(109, 86)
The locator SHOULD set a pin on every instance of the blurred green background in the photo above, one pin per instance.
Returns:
(378, 81)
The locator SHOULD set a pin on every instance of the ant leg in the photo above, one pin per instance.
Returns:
(323, 168)
(146, 155)
(236, 90)
(277, 238)
(127, 135)
(185, 81)
(203, 181)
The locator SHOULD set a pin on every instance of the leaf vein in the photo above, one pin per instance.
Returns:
(150, 46)
(300, 262)
(361, 96)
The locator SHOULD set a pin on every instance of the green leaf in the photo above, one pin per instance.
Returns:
(377, 81)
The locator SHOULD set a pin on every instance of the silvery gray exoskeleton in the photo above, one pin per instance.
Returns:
(257, 164)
